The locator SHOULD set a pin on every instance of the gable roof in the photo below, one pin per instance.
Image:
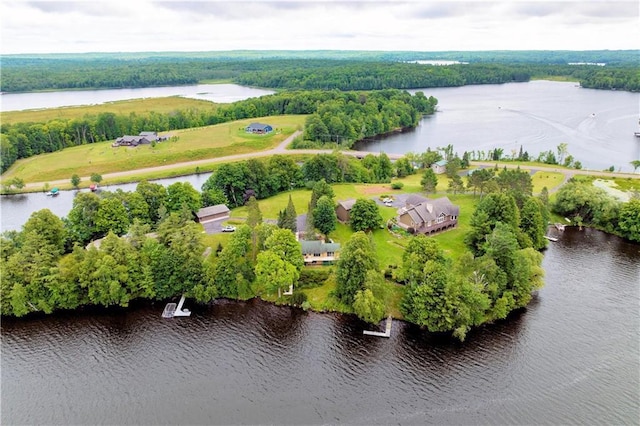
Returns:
(258, 126)
(431, 209)
(311, 247)
(347, 204)
(212, 210)
(414, 199)
(441, 163)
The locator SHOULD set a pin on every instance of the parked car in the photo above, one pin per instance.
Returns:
(228, 228)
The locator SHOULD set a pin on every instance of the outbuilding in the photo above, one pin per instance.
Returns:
(344, 209)
(212, 213)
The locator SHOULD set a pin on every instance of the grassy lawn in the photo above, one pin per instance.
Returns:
(541, 179)
(192, 144)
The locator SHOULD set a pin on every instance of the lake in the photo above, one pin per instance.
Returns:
(571, 357)
(597, 125)
(219, 93)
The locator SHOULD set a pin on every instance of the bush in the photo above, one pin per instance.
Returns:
(397, 185)
(298, 298)
(313, 277)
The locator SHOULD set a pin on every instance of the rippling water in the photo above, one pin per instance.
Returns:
(571, 357)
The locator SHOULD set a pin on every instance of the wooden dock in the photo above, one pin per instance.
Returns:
(387, 332)
(554, 239)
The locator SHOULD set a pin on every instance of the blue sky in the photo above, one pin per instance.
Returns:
(145, 25)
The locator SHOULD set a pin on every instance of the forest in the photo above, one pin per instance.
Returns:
(316, 69)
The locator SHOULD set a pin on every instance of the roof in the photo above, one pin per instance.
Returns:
(311, 247)
(212, 210)
(347, 204)
(441, 163)
(431, 209)
(415, 199)
(258, 126)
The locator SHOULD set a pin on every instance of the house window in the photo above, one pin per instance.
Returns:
(316, 254)
(329, 254)
(440, 219)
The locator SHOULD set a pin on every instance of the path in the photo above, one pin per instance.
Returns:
(281, 149)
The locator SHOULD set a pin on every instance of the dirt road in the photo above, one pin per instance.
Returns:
(281, 149)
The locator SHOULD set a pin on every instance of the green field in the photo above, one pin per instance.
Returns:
(191, 144)
(138, 106)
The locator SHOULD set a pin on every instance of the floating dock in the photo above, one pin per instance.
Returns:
(551, 238)
(387, 332)
(173, 310)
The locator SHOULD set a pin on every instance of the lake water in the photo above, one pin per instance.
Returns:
(597, 125)
(571, 357)
(220, 93)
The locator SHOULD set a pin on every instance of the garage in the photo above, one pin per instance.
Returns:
(212, 213)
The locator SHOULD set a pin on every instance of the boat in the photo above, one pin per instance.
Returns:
(53, 192)
(637, 134)
(93, 187)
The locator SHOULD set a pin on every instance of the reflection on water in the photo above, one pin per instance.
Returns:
(570, 357)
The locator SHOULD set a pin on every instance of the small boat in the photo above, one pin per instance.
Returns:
(93, 187)
(53, 192)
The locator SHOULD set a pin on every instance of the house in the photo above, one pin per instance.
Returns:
(142, 139)
(319, 252)
(212, 213)
(429, 216)
(439, 167)
(258, 128)
(343, 209)
(128, 140)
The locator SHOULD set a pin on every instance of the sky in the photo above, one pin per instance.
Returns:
(392, 25)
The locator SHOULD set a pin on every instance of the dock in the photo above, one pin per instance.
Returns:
(173, 310)
(551, 238)
(387, 332)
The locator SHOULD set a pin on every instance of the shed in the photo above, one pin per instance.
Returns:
(439, 167)
(211, 213)
(343, 209)
(258, 128)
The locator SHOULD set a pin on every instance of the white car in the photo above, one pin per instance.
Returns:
(228, 228)
(388, 202)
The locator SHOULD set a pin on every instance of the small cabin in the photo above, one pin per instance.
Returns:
(319, 252)
(439, 167)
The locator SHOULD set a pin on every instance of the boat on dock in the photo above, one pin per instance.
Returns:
(173, 310)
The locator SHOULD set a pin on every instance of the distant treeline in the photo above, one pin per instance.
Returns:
(353, 115)
(343, 72)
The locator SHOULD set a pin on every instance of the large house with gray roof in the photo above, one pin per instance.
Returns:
(426, 216)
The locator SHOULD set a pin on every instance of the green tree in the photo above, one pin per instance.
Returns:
(283, 243)
(288, 218)
(532, 222)
(367, 307)
(429, 181)
(111, 216)
(629, 220)
(181, 194)
(419, 251)
(254, 215)
(274, 274)
(324, 215)
(635, 164)
(49, 226)
(155, 195)
(80, 222)
(356, 259)
(456, 184)
(96, 178)
(75, 181)
(365, 215)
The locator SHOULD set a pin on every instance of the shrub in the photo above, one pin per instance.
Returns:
(298, 298)
(313, 277)
(397, 185)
